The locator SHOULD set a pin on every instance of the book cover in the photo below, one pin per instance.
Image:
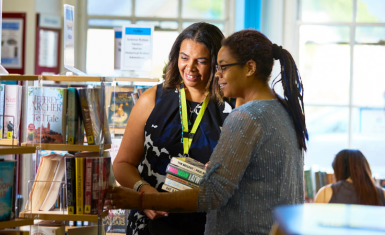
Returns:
(176, 184)
(182, 181)
(11, 111)
(79, 166)
(70, 180)
(2, 91)
(120, 108)
(74, 117)
(100, 183)
(169, 188)
(101, 117)
(116, 221)
(7, 189)
(174, 170)
(88, 186)
(189, 165)
(46, 117)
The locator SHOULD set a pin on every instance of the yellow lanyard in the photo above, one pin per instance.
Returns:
(187, 136)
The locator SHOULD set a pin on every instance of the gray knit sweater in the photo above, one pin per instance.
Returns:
(256, 166)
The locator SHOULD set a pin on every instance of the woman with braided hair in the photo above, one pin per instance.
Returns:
(258, 161)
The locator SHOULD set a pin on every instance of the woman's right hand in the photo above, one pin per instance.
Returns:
(153, 215)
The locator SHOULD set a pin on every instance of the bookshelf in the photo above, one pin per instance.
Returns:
(11, 146)
(18, 222)
(66, 147)
(60, 215)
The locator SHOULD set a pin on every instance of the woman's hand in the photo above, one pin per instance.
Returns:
(151, 213)
(122, 198)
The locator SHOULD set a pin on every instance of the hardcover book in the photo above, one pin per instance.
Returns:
(12, 108)
(7, 189)
(176, 184)
(74, 118)
(2, 91)
(46, 118)
(70, 180)
(120, 108)
(169, 188)
(182, 181)
(189, 164)
(189, 176)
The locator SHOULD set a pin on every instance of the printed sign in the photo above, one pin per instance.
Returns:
(137, 41)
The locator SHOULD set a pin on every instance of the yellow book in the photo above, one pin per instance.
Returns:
(79, 166)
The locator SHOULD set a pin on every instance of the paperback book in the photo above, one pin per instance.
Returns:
(12, 109)
(186, 175)
(2, 91)
(120, 108)
(46, 118)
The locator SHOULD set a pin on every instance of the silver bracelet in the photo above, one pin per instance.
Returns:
(139, 184)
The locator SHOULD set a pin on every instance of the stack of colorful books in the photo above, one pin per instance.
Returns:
(183, 173)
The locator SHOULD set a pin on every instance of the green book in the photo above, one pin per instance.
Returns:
(174, 170)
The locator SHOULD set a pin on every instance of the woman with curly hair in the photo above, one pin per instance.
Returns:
(258, 161)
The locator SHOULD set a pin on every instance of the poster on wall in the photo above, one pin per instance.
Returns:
(12, 43)
(137, 41)
(48, 45)
(3, 71)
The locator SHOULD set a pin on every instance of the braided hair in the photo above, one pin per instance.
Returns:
(251, 44)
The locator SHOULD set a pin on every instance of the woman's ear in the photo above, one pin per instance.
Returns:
(251, 67)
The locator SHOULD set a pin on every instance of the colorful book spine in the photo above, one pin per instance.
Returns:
(99, 183)
(11, 111)
(169, 188)
(88, 186)
(79, 165)
(86, 116)
(2, 91)
(101, 117)
(174, 170)
(7, 190)
(71, 189)
(72, 116)
(176, 184)
(182, 181)
(187, 166)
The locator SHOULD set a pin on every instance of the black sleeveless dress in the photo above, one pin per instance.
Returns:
(163, 132)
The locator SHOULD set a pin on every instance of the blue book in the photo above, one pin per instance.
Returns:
(7, 189)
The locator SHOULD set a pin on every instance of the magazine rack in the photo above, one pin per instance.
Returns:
(33, 141)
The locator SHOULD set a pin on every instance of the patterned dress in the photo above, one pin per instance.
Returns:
(163, 133)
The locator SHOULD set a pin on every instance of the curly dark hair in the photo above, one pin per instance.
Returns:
(207, 34)
(251, 44)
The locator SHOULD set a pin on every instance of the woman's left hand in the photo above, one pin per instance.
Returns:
(122, 198)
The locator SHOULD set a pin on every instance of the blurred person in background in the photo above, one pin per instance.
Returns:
(258, 161)
(355, 184)
(153, 133)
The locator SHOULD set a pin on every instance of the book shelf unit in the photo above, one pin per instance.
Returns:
(15, 146)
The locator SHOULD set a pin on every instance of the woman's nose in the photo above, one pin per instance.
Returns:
(191, 66)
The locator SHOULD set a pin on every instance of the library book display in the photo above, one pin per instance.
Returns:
(55, 137)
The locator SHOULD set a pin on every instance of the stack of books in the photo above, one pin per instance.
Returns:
(183, 173)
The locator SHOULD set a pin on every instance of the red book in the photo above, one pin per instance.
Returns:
(88, 186)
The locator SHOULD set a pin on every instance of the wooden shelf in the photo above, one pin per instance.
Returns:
(61, 78)
(16, 149)
(16, 223)
(117, 131)
(67, 147)
(60, 215)
(8, 142)
(124, 79)
(15, 77)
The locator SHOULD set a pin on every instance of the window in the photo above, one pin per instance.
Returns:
(168, 17)
(341, 60)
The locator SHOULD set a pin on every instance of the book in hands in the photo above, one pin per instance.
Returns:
(189, 164)
(189, 176)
